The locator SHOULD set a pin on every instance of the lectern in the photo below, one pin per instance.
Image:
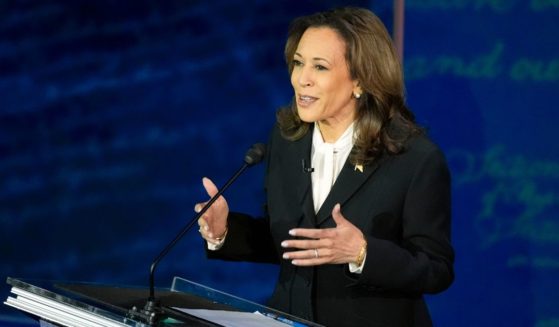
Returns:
(79, 304)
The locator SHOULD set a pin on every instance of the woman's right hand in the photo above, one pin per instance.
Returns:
(213, 223)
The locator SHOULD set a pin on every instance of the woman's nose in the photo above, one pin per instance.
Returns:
(305, 77)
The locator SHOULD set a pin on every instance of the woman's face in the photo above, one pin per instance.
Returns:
(321, 79)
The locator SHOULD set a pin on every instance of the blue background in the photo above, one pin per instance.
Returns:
(111, 112)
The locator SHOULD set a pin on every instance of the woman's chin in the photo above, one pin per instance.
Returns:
(304, 116)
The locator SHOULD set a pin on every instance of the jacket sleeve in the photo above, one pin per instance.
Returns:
(248, 239)
(422, 261)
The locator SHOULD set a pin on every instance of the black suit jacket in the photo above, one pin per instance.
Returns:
(402, 205)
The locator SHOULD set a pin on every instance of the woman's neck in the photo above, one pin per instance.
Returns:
(331, 131)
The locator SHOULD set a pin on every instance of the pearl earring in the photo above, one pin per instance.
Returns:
(357, 95)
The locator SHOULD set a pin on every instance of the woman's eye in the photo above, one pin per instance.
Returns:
(320, 67)
(297, 63)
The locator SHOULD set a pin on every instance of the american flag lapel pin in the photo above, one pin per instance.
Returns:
(359, 167)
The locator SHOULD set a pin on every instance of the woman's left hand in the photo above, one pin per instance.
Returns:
(338, 245)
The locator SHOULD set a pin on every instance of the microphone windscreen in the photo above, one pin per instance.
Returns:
(255, 154)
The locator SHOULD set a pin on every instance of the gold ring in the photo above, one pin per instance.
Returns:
(316, 253)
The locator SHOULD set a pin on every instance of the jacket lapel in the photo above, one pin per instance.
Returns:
(300, 157)
(347, 183)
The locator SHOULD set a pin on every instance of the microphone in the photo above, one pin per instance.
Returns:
(305, 168)
(152, 310)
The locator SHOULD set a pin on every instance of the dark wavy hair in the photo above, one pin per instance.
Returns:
(383, 122)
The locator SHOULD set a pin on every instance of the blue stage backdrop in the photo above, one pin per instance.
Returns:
(111, 112)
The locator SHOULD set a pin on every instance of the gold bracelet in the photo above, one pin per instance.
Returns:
(361, 255)
(219, 239)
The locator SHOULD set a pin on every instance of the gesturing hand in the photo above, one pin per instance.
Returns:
(213, 223)
(338, 245)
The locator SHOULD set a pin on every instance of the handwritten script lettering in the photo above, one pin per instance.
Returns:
(518, 195)
(484, 66)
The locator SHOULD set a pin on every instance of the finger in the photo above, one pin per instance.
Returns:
(311, 257)
(198, 206)
(304, 254)
(309, 262)
(205, 232)
(203, 224)
(337, 215)
(307, 244)
(207, 237)
(210, 187)
(312, 232)
(300, 244)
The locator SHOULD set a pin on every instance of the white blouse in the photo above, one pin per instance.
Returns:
(328, 159)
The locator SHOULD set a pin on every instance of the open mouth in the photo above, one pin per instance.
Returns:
(305, 100)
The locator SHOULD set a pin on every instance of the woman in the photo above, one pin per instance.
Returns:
(358, 199)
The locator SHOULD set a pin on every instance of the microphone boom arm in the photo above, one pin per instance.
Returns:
(186, 228)
(152, 309)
